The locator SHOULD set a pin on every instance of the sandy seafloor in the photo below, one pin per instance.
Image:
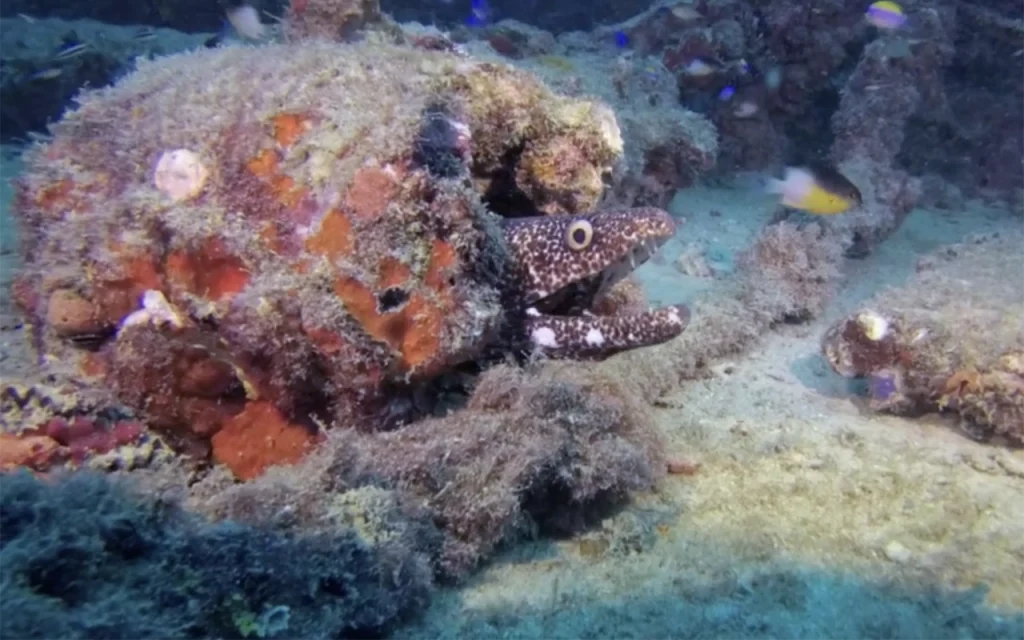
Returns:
(808, 517)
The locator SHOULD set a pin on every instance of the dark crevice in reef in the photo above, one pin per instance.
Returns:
(313, 401)
(811, 133)
(503, 196)
(956, 151)
(392, 299)
(441, 150)
(546, 505)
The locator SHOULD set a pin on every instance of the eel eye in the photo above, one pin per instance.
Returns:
(579, 235)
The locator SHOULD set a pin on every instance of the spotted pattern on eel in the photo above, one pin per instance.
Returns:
(561, 265)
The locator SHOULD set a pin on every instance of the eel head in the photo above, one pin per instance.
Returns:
(561, 265)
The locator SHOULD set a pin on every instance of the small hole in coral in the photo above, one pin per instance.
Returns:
(503, 195)
(391, 299)
(332, 585)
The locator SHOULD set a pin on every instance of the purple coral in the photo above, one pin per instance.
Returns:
(882, 385)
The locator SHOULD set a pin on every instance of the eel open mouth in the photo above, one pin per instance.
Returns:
(564, 264)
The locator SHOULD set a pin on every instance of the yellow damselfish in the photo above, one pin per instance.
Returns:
(817, 189)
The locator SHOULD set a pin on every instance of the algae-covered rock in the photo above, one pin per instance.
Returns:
(665, 146)
(547, 448)
(952, 339)
(234, 239)
(85, 556)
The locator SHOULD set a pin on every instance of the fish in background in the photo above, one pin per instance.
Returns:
(240, 21)
(699, 68)
(480, 13)
(45, 74)
(746, 109)
(816, 188)
(745, 106)
(886, 15)
(685, 13)
(70, 49)
(145, 35)
(246, 21)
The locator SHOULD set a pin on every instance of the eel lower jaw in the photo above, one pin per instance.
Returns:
(589, 336)
(595, 337)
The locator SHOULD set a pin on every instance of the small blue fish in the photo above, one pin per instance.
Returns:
(726, 93)
(621, 39)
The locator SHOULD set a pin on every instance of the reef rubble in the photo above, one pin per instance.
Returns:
(950, 340)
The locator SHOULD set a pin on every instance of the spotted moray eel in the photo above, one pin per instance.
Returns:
(561, 265)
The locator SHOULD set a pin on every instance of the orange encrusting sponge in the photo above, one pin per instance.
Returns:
(260, 437)
(415, 328)
(210, 272)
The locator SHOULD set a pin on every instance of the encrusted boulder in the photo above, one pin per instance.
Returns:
(245, 242)
(950, 340)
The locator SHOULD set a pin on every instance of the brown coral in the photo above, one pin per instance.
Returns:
(559, 177)
(669, 146)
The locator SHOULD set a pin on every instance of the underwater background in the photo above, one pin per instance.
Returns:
(480, 318)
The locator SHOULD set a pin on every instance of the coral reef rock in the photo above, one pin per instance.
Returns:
(85, 557)
(788, 274)
(548, 448)
(791, 270)
(666, 146)
(239, 239)
(895, 78)
(952, 340)
(49, 422)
